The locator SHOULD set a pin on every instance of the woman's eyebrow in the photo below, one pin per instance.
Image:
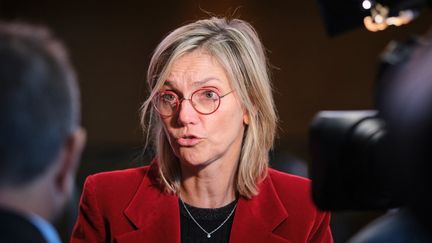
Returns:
(168, 83)
(204, 81)
(197, 83)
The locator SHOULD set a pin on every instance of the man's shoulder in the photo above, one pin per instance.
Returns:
(17, 228)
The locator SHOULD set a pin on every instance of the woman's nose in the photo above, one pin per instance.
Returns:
(187, 113)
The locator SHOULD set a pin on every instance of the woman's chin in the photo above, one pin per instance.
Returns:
(193, 160)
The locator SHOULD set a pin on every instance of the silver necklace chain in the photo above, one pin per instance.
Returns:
(205, 231)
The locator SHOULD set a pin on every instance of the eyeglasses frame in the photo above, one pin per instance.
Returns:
(180, 100)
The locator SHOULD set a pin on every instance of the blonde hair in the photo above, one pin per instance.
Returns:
(235, 44)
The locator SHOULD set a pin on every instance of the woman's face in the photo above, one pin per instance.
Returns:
(197, 139)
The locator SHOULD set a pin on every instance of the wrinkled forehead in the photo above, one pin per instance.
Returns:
(196, 68)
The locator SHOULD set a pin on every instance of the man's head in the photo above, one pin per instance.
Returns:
(40, 139)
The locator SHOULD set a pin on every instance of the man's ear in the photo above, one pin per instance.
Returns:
(69, 158)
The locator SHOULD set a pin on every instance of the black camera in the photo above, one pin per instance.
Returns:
(347, 166)
(382, 159)
(379, 159)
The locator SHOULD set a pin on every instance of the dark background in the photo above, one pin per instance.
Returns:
(111, 42)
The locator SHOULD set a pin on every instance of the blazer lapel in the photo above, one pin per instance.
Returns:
(154, 213)
(256, 218)
(156, 216)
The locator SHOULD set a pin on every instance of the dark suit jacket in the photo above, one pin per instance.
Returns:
(15, 228)
(129, 206)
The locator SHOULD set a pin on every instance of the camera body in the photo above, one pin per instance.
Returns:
(380, 159)
(346, 171)
(356, 163)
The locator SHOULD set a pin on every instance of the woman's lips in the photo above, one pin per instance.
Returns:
(188, 141)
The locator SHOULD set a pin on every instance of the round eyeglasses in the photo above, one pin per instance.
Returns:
(204, 101)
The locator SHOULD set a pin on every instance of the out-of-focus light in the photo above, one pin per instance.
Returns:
(366, 4)
(379, 22)
(404, 17)
(378, 19)
(396, 21)
(373, 26)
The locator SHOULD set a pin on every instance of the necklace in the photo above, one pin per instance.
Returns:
(205, 231)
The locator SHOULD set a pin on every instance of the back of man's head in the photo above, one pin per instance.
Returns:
(39, 102)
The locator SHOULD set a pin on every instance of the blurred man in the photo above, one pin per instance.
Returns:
(40, 136)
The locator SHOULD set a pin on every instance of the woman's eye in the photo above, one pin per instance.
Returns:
(209, 94)
(168, 98)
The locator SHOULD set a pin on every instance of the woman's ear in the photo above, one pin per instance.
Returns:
(246, 117)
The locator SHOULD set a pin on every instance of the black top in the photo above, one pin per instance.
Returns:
(209, 219)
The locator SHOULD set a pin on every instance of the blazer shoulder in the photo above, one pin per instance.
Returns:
(119, 176)
(293, 191)
(119, 182)
(292, 183)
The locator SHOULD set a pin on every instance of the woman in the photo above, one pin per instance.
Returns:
(213, 118)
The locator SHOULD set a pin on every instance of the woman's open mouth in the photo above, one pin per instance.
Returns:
(188, 140)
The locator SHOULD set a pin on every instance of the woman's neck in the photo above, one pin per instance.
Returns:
(209, 187)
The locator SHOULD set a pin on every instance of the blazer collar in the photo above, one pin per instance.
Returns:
(155, 214)
(256, 219)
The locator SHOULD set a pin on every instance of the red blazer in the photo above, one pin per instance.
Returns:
(129, 206)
